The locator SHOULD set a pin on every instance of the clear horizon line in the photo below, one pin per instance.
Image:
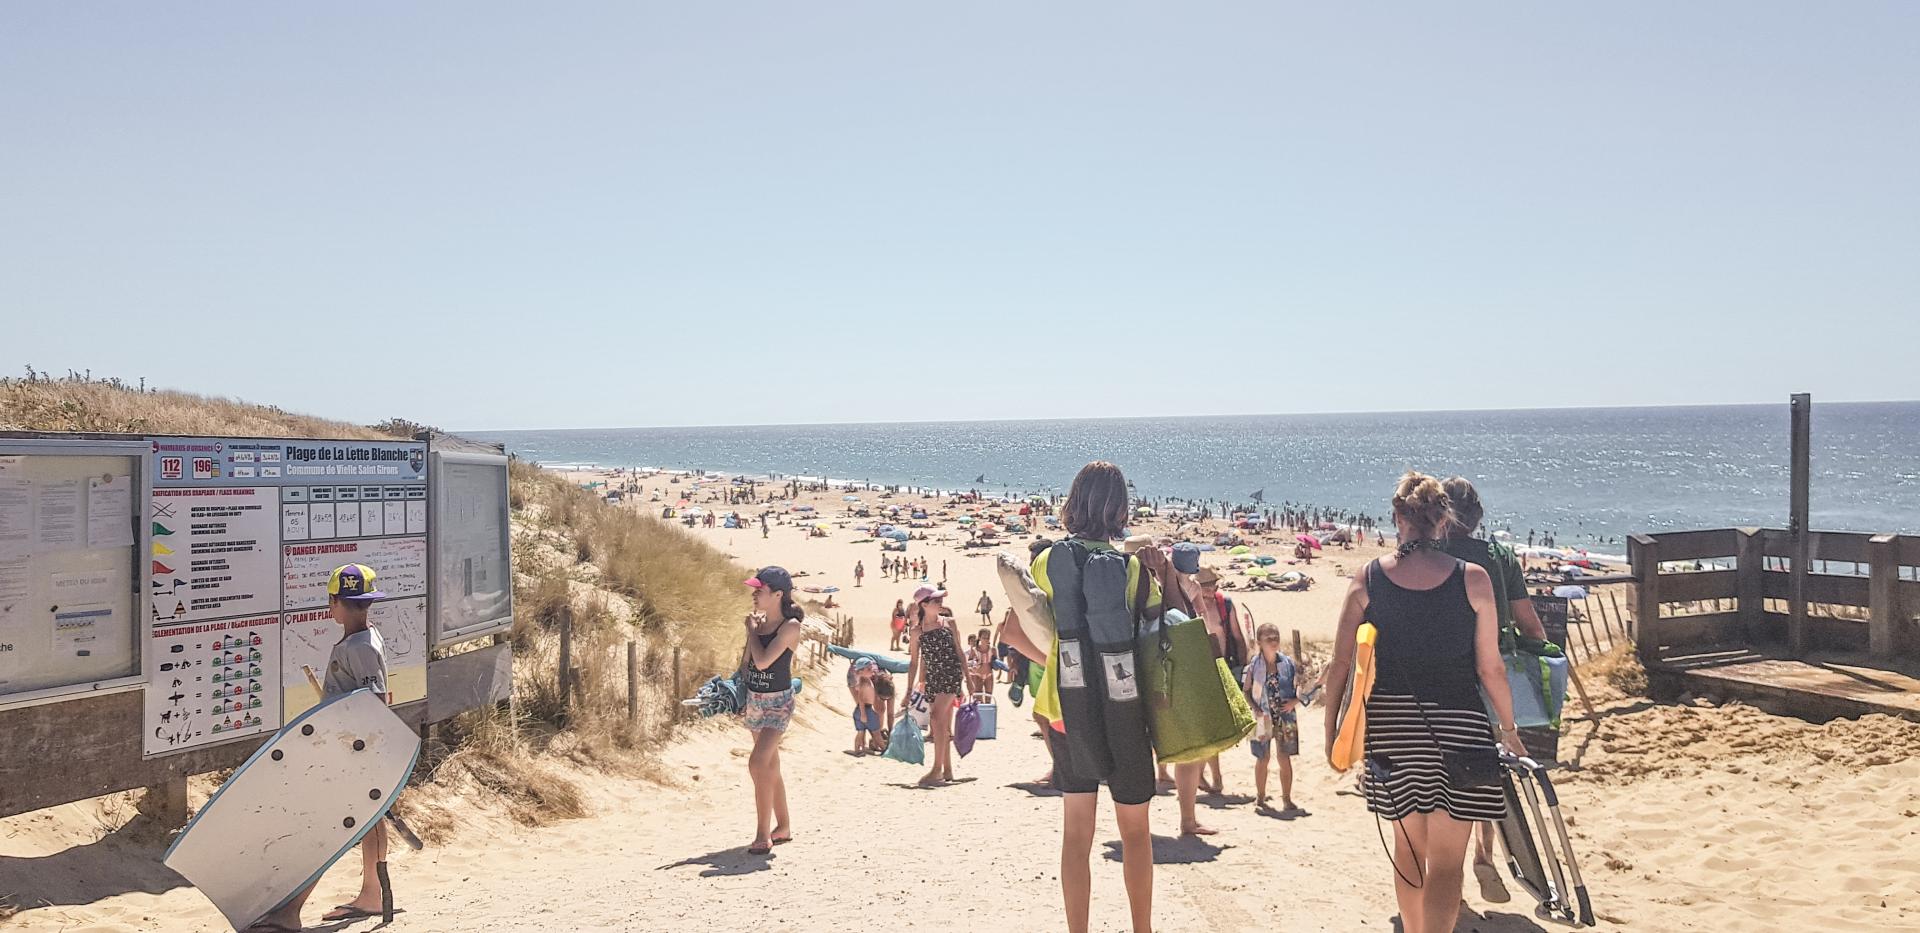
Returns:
(1301, 414)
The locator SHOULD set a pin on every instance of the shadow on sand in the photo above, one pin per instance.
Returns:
(725, 862)
(1174, 850)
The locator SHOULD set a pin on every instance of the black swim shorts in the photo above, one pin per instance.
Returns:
(1131, 782)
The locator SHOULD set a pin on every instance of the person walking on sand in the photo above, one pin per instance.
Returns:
(766, 665)
(1431, 765)
(1513, 608)
(985, 608)
(1095, 514)
(934, 667)
(358, 661)
(1270, 686)
(899, 624)
(859, 572)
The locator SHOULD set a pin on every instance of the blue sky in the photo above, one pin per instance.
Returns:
(536, 215)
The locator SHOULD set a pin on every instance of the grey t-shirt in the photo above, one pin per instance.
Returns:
(358, 660)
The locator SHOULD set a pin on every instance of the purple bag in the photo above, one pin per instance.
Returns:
(966, 728)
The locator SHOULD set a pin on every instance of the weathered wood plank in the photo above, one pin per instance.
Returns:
(469, 680)
(1707, 584)
(1691, 545)
(1693, 631)
(1821, 588)
(91, 746)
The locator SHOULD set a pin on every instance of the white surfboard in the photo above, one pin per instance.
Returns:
(302, 801)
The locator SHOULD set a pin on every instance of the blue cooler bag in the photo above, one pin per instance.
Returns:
(1539, 687)
(989, 717)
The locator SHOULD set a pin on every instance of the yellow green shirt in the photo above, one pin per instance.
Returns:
(1046, 702)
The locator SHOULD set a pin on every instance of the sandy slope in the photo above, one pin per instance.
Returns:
(1687, 818)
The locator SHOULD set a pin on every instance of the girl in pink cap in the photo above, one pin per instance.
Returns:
(936, 670)
(766, 671)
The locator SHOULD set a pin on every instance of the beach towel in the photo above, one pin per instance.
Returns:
(1025, 598)
(887, 662)
(906, 744)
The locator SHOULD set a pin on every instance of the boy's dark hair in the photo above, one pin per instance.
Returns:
(883, 688)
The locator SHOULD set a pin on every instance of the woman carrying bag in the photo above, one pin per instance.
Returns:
(1431, 767)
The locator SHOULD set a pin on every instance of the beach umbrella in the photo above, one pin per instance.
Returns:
(1258, 571)
(1308, 540)
(965, 519)
(1240, 549)
(1327, 526)
(1264, 561)
(1570, 592)
(1143, 510)
(849, 498)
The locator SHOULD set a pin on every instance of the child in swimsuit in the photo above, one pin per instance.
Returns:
(866, 717)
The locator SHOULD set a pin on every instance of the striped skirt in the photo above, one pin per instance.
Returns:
(1417, 778)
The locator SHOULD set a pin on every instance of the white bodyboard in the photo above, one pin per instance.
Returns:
(302, 801)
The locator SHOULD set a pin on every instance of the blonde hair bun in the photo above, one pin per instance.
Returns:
(1423, 503)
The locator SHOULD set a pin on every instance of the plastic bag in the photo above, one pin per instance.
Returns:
(906, 744)
(919, 706)
(966, 728)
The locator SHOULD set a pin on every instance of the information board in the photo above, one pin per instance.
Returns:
(244, 533)
(69, 598)
(472, 576)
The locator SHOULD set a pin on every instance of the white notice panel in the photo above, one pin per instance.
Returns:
(400, 565)
(213, 681)
(216, 552)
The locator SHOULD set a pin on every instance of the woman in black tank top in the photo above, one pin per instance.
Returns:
(1438, 648)
(766, 670)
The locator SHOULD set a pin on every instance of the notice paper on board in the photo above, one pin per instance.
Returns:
(110, 511)
(59, 520)
(16, 518)
(77, 629)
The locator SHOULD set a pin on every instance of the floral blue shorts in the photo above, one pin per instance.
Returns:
(769, 710)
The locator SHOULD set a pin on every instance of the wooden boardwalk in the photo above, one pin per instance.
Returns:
(1822, 687)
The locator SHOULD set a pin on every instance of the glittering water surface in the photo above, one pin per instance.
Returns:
(1583, 473)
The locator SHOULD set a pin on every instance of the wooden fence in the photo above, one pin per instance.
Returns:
(1735, 586)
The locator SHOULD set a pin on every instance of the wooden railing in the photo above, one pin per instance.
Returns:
(1732, 586)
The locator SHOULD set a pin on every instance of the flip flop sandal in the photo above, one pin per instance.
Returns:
(784, 840)
(347, 912)
(759, 850)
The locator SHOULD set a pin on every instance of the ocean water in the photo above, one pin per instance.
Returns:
(1584, 474)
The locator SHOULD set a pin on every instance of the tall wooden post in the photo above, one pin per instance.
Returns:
(679, 689)
(1750, 583)
(1883, 595)
(566, 657)
(1643, 553)
(1802, 540)
(633, 681)
(1297, 656)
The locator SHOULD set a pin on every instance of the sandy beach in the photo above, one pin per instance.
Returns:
(1691, 816)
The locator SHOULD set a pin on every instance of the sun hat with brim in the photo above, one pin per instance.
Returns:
(1207, 575)
(925, 593)
(353, 581)
(773, 578)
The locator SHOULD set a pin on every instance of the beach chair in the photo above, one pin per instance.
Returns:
(1539, 854)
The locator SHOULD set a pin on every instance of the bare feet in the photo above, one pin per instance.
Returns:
(1492, 889)
(929, 779)
(760, 846)
(1198, 830)
(781, 836)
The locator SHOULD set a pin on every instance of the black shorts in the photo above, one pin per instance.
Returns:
(1132, 781)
